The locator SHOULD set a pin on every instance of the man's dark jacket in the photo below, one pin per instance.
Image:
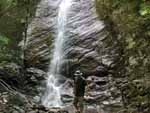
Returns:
(79, 88)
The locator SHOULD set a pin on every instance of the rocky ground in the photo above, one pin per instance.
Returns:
(20, 91)
(18, 104)
(15, 102)
(22, 105)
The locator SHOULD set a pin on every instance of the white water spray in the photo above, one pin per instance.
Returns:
(52, 97)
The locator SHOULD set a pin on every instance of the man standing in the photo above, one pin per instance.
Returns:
(79, 91)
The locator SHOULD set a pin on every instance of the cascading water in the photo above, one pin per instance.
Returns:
(52, 97)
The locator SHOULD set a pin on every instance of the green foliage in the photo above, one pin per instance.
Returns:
(145, 9)
(130, 19)
(14, 17)
(5, 3)
(3, 40)
(6, 53)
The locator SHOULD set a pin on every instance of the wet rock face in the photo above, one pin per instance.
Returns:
(39, 37)
(87, 37)
(33, 79)
(88, 46)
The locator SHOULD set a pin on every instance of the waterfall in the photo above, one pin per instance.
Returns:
(52, 97)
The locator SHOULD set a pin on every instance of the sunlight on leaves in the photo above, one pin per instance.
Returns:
(145, 9)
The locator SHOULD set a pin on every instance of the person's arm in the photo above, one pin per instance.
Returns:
(83, 78)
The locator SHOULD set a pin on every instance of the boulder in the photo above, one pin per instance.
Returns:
(11, 74)
(35, 73)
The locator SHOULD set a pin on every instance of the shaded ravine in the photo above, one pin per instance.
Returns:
(52, 97)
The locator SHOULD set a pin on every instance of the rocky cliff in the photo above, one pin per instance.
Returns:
(89, 47)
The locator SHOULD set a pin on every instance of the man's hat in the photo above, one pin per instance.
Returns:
(78, 73)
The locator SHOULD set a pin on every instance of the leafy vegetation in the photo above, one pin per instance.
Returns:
(6, 52)
(130, 20)
(14, 18)
(4, 40)
(145, 9)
